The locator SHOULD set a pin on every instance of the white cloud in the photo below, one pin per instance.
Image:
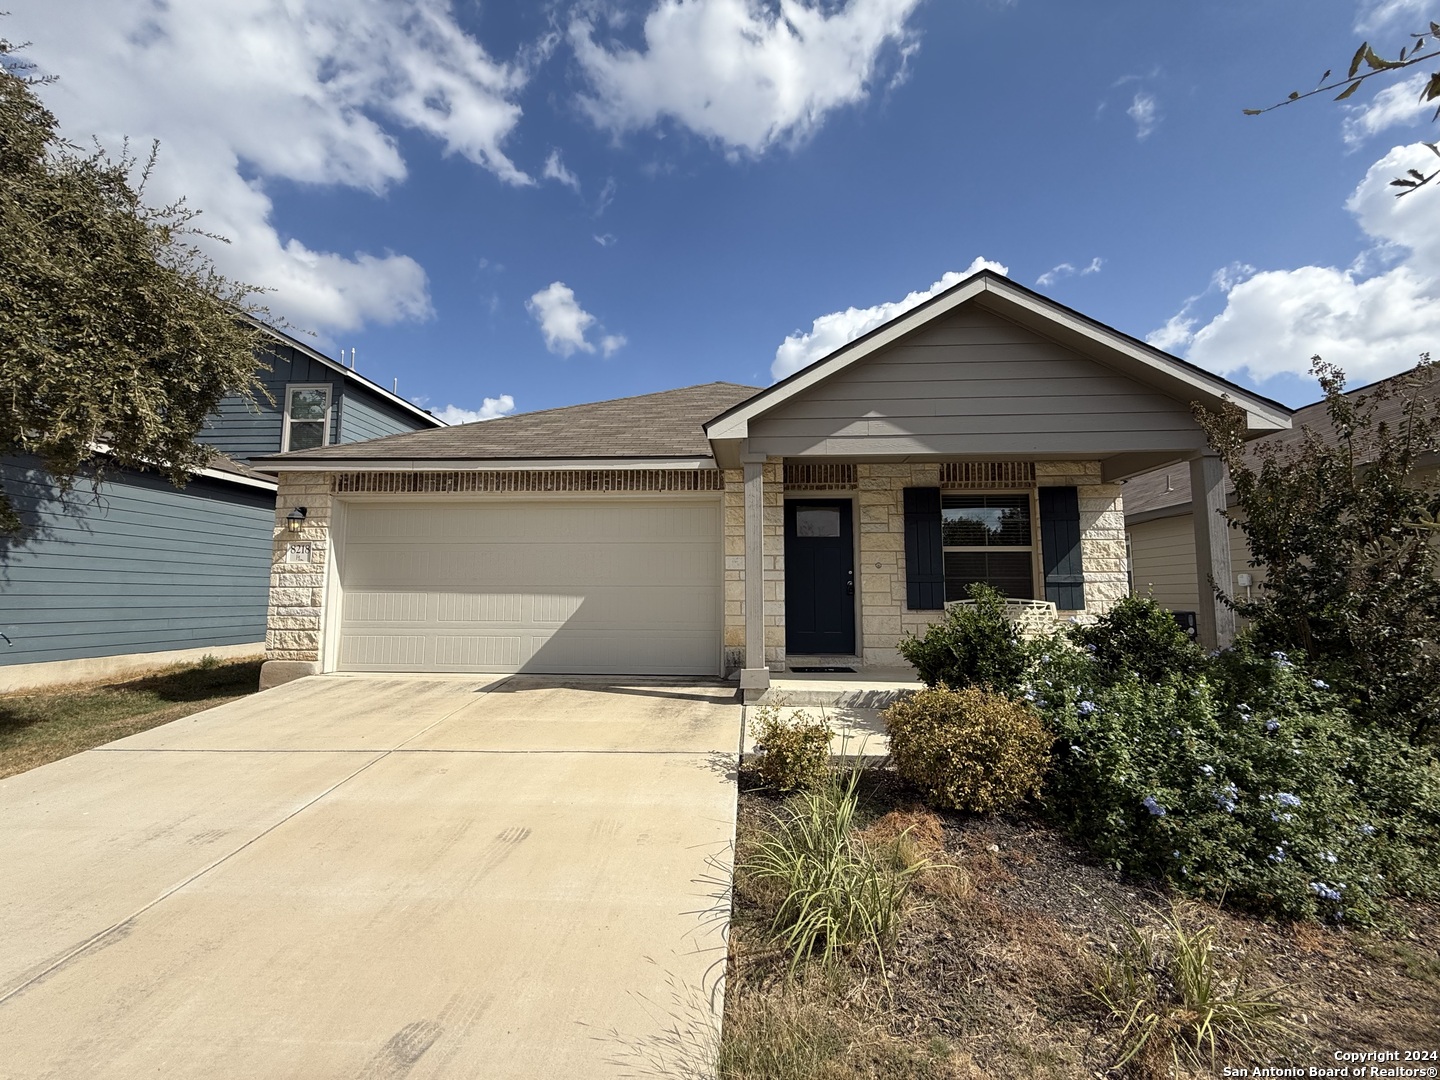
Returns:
(1145, 111)
(1394, 106)
(830, 332)
(244, 92)
(1379, 14)
(605, 239)
(565, 325)
(1372, 325)
(1065, 269)
(744, 73)
(490, 409)
(555, 170)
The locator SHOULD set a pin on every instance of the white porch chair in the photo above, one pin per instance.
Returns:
(1030, 617)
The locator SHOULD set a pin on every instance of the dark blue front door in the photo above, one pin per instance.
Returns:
(819, 577)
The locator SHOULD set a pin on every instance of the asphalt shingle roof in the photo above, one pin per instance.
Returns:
(666, 424)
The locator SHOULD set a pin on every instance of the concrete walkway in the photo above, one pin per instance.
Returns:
(378, 877)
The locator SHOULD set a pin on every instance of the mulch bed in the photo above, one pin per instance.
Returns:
(997, 970)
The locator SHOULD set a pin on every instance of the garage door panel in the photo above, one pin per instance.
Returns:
(584, 587)
(537, 565)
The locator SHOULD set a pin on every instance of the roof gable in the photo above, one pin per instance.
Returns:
(1123, 355)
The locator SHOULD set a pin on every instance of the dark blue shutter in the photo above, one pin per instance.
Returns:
(1060, 547)
(924, 558)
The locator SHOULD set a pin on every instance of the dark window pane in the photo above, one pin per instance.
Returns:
(818, 522)
(307, 404)
(985, 521)
(306, 435)
(1009, 571)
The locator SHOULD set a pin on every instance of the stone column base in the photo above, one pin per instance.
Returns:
(277, 672)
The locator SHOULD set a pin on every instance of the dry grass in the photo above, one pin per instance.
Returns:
(40, 726)
(996, 956)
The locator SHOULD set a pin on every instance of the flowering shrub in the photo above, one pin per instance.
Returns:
(974, 645)
(969, 749)
(1249, 781)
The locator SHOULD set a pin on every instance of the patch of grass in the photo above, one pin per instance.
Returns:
(1175, 1007)
(837, 893)
(1398, 954)
(40, 726)
(800, 1032)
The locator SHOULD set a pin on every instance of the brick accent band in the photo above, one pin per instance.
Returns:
(484, 481)
(987, 474)
(826, 477)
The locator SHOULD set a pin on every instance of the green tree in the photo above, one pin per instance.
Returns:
(118, 336)
(1344, 524)
(1423, 48)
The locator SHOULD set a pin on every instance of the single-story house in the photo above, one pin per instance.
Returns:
(133, 572)
(715, 529)
(1160, 522)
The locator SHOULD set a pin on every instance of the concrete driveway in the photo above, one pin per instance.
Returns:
(378, 877)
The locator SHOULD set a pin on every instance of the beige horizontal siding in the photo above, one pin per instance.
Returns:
(1162, 562)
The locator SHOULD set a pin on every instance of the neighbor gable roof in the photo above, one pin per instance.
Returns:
(1166, 492)
(352, 376)
(666, 426)
(1144, 363)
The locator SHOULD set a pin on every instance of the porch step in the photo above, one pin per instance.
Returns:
(868, 688)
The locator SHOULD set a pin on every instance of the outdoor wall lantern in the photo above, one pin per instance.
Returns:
(295, 519)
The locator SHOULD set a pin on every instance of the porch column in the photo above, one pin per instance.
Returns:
(1212, 551)
(755, 675)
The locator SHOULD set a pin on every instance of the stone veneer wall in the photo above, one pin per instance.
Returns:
(297, 588)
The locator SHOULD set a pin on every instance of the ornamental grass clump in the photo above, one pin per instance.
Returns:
(1175, 1008)
(837, 893)
(968, 749)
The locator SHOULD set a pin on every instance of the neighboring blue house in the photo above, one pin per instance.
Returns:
(135, 572)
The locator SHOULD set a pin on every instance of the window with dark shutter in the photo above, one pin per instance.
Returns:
(988, 537)
(1060, 547)
(924, 553)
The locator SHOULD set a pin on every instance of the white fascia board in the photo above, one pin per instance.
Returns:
(232, 478)
(209, 474)
(474, 464)
(351, 373)
(737, 424)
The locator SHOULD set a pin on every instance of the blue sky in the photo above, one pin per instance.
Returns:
(513, 207)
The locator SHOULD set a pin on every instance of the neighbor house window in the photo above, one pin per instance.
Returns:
(988, 538)
(307, 417)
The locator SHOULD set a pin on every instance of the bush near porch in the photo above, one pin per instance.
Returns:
(1240, 775)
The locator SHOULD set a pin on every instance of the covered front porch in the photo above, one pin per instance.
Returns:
(984, 436)
(854, 556)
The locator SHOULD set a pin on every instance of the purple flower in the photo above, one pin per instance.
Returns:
(1277, 856)
(1156, 810)
(1320, 684)
(1208, 770)
(1328, 856)
(1272, 726)
(1368, 830)
(1087, 707)
(1324, 891)
(1284, 798)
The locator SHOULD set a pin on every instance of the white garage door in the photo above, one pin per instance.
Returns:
(585, 587)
